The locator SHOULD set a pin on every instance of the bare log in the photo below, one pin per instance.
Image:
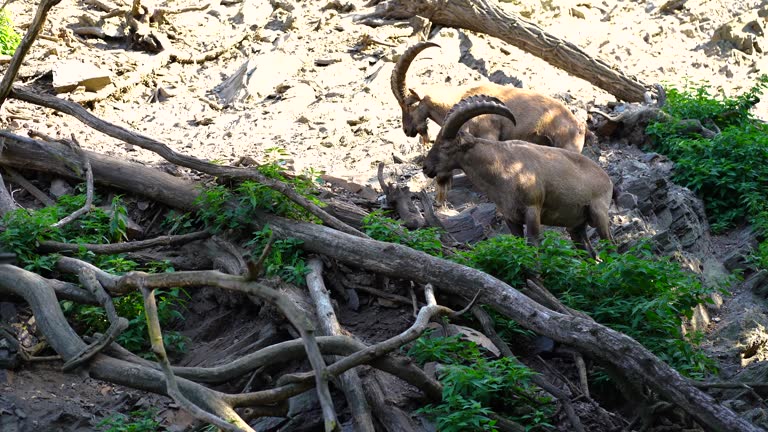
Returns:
(349, 381)
(75, 146)
(27, 153)
(486, 16)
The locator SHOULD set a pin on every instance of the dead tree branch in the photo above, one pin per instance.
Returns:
(26, 43)
(485, 16)
(168, 154)
(49, 246)
(41, 196)
(7, 204)
(350, 382)
(117, 324)
(88, 185)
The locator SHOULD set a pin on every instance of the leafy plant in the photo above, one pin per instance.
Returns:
(137, 421)
(9, 39)
(285, 259)
(729, 171)
(475, 387)
(635, 292)
(384, 228)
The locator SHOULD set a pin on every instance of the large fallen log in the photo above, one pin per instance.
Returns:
(398, 261)
(486, 16)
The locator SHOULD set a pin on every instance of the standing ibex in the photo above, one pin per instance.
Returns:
(530, 184)
(540, 120)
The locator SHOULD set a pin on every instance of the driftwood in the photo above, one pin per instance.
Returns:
(401, 199)
(485, 16)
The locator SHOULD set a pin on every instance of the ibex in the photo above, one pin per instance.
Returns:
(540, 120)
(530, 184)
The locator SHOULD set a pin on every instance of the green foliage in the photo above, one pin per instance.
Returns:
(9, 39)
(137, 421)
(215, 214)
(634, 292)
(475, 387)
(383, 228)
(285, 259)
(728, 171)
(25, 229)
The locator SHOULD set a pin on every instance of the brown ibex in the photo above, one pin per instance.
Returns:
(530, 184)
(540, 120)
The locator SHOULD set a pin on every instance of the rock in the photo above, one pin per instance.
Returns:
(70, 74)
(758, 283)
(500, 77)
(60, 188)
(281, 20)
(745, 33)
(626, 200)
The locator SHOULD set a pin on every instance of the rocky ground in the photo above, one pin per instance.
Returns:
(317, 88)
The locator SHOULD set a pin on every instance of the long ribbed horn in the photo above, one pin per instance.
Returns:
(469, 108)
(401, 68)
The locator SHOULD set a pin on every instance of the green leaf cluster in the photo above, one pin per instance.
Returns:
(475, 387)
(730, 171)
(137, 421)
(285, 259)
(383, 228)
(9, 39)
(24, 230)
(216, 214)
(636, 293)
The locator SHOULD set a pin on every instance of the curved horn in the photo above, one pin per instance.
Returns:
(469, 108)
(401, 68)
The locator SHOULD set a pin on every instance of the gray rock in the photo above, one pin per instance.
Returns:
(60, 188)
(70, 74)
(758, 283)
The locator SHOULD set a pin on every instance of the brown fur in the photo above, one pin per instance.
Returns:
(530, 184)
(540, 119)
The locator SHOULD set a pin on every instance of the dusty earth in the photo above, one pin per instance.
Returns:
(319, 93)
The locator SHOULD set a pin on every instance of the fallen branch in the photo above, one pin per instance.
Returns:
(329, 326)
(488, 17)
(7, 204)
(88, 185)
(29, 187)
(172, 387)
(117, 324)
(49, 246)
(168, 154)
(26, 43)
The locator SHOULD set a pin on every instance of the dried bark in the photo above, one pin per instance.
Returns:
(487, 17)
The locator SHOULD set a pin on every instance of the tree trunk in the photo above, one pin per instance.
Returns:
(485, 16)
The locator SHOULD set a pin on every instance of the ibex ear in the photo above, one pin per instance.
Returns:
(413, 97)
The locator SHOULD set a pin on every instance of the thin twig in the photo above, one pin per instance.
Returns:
(254, 268)
(88, 185)
(29, 187)
(117, 248)
(26, 43)
(117, 324)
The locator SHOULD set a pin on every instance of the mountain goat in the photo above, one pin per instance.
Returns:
(530, 184)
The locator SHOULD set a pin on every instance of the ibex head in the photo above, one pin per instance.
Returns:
(414, 115)
(443, 157)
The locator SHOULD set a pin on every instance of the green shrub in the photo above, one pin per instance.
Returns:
(643, 296)
(384, 228)
(474, 387)
(25, 229)
(137, 421)
(9, 39)
(730, 171)
(285, 259)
